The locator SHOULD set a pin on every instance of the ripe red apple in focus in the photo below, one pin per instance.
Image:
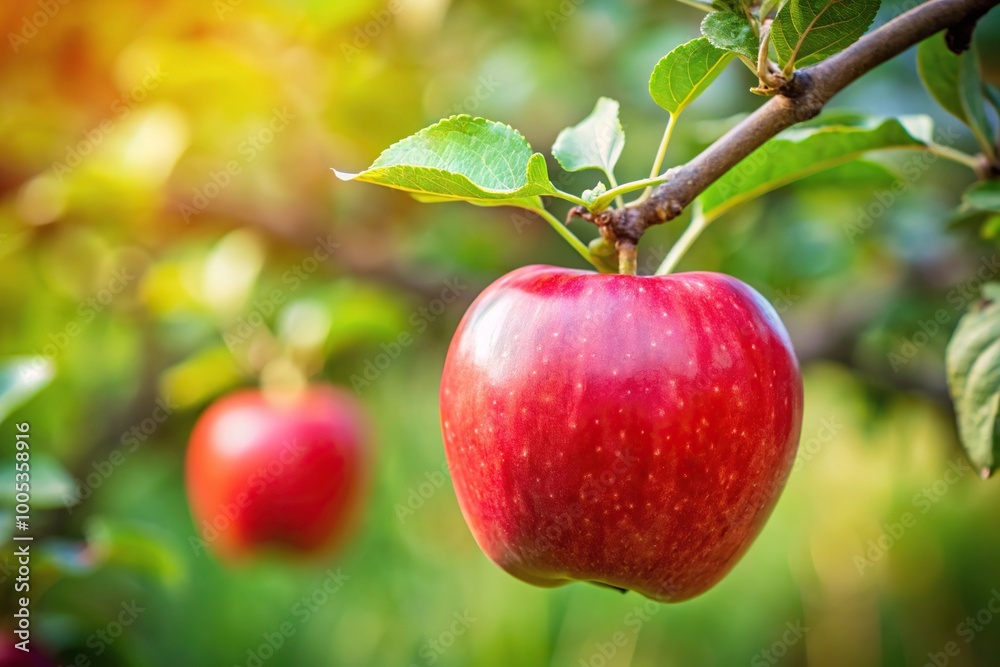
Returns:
(277, 473)
(629, 431)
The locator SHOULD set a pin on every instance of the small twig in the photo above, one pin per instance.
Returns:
(661, 153)
(956, 156)
(614, 186)
(959, 36)
(802, 97)
(770, 79)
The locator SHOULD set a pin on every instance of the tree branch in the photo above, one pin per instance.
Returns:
(800, 99)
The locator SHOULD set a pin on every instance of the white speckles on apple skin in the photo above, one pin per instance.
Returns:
(606, 457)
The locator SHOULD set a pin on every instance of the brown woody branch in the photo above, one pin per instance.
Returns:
(800, 99)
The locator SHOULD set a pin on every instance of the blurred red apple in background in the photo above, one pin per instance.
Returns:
(629, 431)
(11, 656)
(277, 473)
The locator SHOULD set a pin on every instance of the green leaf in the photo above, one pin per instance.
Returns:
(533, 203)
(967, 219)
(700, 4)
(991, 228)
(939, 70)
(595, 143)
(955, 82)
(768, 6)
(731, 32)
(734, 6)
(20, 379)
(973, 364)
(137, 546)
(970, 92)
(798, 153)
(993, 95)
(462, 158)
(984, 196)
(860, 174)
(208, 372)
(808, 31)
(685, 72)
(719, 5)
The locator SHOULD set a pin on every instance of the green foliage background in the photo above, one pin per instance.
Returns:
(878, 437)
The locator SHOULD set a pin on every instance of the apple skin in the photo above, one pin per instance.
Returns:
(633, 432)
(278, 474)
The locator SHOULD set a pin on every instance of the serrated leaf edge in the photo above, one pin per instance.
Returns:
(520, 192)
(719, 64)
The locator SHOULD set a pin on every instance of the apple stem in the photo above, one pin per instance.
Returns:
(283, 380)
(627, 254)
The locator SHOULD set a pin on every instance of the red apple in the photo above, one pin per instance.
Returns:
(267, 473)
(629, 431)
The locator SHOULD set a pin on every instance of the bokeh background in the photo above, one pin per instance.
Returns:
(165, 168)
